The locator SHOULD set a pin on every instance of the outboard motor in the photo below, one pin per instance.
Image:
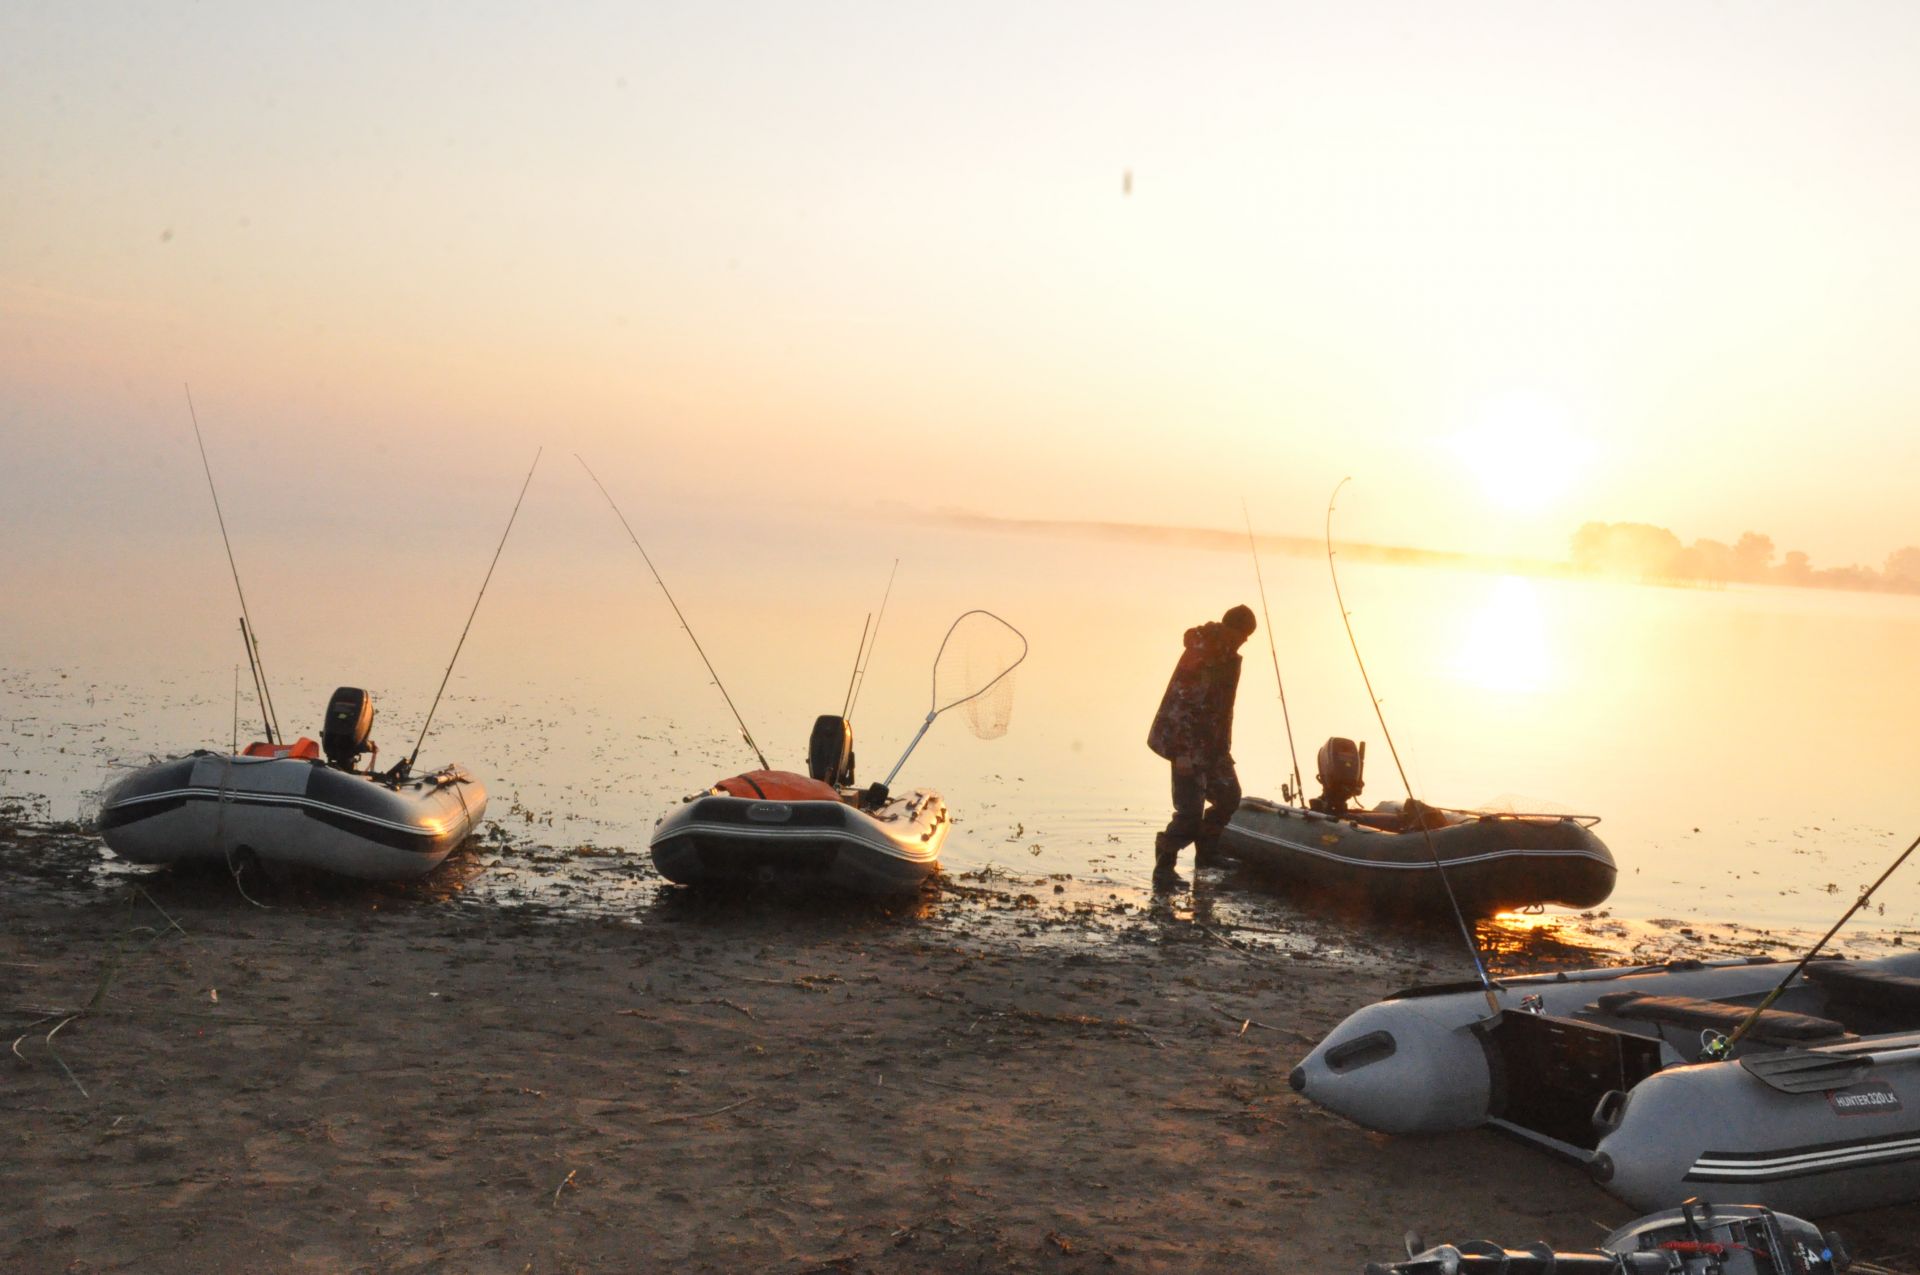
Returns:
(830, 751)
(1695, 1239)
(343, 736)
(1342, 768)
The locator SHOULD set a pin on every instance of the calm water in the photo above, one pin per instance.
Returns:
(1749, 750)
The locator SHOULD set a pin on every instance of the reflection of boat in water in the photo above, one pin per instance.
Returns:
(1815, 1111)
(285, 804)
(1384, 858)
(776, 828)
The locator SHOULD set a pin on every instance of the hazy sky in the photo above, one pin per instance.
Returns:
(1511, 266)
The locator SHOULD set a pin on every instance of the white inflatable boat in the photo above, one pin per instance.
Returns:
(776, 828)
(1816, 1111)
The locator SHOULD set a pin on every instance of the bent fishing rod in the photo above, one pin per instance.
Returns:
(744, 732)
(1722, 1047)
(406, 767)
(1273, 650)
(1479, 967)
(269, 719)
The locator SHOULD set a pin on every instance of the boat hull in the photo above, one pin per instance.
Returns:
(1493, 863)
(1717, 1130)
(724, 842)
(213, 809)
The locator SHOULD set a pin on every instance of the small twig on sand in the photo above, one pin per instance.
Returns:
(564, 1184)
(718, 1000)
(48, 1042)
(702, 1115)
(1244, 1021)
(23, 1035)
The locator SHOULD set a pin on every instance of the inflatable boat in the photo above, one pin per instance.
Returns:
(777, 828)
(289, 804)
(1815, 1111)
(1384, 858)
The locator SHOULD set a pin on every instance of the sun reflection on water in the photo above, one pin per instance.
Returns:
(1503, 643)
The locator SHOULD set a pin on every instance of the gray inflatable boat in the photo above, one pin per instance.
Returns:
(1406, 859)
(1380, 859)
(210, 808)
(284, 804)
(1816, 1111)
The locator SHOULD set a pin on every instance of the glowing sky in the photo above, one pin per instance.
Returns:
(1646, 261)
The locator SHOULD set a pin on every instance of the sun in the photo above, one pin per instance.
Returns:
(1524, 451)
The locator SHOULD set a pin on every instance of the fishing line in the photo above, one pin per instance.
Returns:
(1274, 651)
(406, 767)
(744, 732)
(271, 720)
(1486, 984)
(867, 661)
(1725, 1045)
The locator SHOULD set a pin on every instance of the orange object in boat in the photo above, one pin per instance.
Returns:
(777, 785)
(301, 749)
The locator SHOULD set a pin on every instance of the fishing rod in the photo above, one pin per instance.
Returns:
(1479, 968)
(272, 720)
(1725, 1044)
(253, 666)
(867, 661)
(846, 705)
(1274, 651)
(744, 732)
(406, 767)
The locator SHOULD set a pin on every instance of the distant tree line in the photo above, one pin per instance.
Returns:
(1643, 552)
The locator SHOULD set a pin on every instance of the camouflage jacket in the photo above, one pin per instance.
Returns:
(1195, 721)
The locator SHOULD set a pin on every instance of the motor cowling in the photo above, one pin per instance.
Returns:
(830, 751)
(1343, 765)
(349, 722)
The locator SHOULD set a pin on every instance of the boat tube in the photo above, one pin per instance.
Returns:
(1817, 1110)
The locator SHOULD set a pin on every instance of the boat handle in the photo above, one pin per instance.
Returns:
(1608, 1111)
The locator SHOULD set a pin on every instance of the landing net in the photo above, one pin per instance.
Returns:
(975, 668)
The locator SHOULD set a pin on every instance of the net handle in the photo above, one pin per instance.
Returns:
(934, 707)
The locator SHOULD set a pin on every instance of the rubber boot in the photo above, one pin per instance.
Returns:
(1165, 879)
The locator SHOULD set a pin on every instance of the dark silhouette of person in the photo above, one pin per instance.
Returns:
(1194, 731)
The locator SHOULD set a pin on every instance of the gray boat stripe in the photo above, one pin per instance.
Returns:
(266, 799)
(1710, 1168)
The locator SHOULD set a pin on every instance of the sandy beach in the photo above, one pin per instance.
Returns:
(384, 1079)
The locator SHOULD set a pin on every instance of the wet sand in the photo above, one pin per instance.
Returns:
(378, 1079)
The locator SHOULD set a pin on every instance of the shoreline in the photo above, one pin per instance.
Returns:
(381, 1079)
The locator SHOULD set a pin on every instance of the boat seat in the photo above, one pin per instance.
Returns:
(1775, 1026)
(1868, 1000)
(1846, 980)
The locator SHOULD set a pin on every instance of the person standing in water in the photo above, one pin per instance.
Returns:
(1194, 731)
